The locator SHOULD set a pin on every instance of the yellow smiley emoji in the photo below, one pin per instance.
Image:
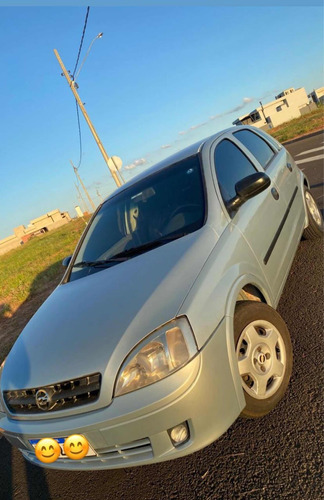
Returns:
(47, 450)
(76, 446)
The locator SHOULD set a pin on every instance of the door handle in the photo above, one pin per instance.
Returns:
(275, 193)
(289, 166)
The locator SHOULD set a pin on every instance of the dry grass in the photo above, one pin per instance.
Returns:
(305, 124)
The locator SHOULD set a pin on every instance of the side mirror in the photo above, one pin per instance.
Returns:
(66, 261)
(247, 188)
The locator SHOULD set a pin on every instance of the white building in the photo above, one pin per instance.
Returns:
(317, 95)
(43, 224)
(287, 105)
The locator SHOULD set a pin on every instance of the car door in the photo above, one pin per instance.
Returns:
(259, 218)
(275, 160)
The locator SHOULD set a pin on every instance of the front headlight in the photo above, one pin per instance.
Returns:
(157, 356)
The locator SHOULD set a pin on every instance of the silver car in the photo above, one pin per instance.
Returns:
(163, 329)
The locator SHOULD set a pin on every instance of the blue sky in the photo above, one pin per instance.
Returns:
(160, 76)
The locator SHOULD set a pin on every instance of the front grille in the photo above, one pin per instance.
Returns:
(132, 453)
(62, 395)
(129, 451)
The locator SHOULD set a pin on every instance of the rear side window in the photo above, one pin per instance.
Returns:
(231, 166)
(272, 140)
(258, 147)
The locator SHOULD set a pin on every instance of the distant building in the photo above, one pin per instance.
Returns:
(287, 105)
(42, 224)
(317, 95)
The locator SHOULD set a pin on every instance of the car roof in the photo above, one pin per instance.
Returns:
(175, 158)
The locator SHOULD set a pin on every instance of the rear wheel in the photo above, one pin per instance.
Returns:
(315, 227)
(264, 355)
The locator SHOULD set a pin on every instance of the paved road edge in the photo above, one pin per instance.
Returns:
(305, 136)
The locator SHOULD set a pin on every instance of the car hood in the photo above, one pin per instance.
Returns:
(91, 324)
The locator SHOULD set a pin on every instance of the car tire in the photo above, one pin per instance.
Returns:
(264, 354)
(315, 228)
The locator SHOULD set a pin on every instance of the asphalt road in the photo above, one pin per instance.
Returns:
(309, 155)
(276, 457)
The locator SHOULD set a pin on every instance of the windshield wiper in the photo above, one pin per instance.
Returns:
(148, 246)
(127, 254)
(98, 263)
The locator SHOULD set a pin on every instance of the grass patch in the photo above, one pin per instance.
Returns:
(27, 271)
(299, 126)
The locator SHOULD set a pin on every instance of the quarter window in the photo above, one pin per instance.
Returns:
(274, 143)
(231, 166)
(258, 147)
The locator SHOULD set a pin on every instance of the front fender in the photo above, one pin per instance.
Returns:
(241, 282)
(212, 298)
(229, 267)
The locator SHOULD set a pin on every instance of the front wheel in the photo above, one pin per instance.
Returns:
(264, 355)
(315, 227)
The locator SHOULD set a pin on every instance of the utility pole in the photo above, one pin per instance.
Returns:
(85, 208)
(99, 195)
(109, 161)
(84, 188)
(263, 111)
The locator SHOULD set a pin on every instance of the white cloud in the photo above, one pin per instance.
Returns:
(197, 126)
(136, 163)
(244, 102)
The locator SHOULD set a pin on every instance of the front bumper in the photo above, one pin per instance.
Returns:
(133, 430)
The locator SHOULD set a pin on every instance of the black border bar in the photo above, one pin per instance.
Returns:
(276, 236)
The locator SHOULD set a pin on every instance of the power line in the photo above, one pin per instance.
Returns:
(81, 43)
(76, 103)
(100, 35)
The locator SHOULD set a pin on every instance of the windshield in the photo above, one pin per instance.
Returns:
(163, 206)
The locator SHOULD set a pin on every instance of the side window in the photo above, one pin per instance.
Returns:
(258, 147)
(276, 145)
(231, 166)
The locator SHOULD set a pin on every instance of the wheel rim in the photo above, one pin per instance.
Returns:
(313, 209)
(262, 359)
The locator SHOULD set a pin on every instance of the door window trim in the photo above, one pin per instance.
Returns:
(258, 168)
(275, 151)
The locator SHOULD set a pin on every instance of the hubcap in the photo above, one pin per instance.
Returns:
(313, 209)
(261, 355)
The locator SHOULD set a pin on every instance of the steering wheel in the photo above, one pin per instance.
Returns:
(190, 207)
(184, 208)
